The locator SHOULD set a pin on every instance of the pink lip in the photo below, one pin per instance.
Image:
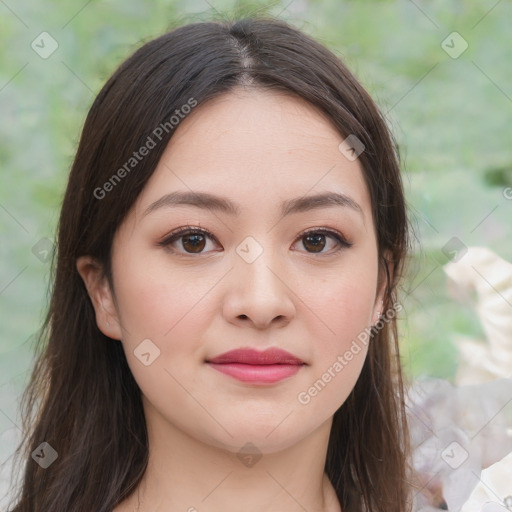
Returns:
(248, 365)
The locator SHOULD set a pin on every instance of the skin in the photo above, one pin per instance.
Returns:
(257, 148)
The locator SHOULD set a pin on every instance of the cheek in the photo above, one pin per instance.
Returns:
(173, 314)
(345, 303)
(346, 317)
(344, 306)
(152, 305)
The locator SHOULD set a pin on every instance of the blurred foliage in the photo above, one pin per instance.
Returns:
(451, 118)
(498, 176)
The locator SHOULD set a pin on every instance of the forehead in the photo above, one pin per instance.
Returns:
(260, 148)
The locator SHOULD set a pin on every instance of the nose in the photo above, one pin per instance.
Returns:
(259, 294)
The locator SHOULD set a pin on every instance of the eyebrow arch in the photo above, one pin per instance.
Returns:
(222, 204)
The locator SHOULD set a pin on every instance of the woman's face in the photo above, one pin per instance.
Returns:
(252, 280)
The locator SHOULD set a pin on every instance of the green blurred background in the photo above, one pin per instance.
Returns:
(451, 117)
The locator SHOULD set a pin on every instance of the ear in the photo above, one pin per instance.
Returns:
(383, 282)
(101, 296)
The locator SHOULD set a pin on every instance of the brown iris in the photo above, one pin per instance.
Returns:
(196, 242)
(317, 242)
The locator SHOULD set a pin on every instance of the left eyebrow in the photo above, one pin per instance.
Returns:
(318, 201)
(223, 204)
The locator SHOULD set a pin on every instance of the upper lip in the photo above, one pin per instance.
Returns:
(256, 357)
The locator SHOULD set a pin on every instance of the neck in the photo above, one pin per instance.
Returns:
(185, 474)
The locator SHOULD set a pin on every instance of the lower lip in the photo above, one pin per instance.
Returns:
(264, 374)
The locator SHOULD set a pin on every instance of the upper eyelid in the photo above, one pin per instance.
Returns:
(183, 231)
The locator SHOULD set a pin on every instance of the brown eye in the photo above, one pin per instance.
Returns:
(193, 243)
(187, 240)
(315, 243)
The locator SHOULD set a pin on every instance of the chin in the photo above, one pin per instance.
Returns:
(264, 438)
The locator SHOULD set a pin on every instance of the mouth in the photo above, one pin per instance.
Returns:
(249, 365)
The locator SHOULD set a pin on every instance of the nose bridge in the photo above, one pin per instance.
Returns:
(258, 289)
(257, 264)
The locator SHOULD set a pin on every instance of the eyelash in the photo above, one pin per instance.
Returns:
(191, 230)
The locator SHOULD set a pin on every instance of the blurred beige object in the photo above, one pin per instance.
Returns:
(495, 487)
(483, 273)
(456, 431)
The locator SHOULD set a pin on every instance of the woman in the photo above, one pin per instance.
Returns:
(222, 331)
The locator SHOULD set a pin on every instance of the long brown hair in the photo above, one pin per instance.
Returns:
(82, 398)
